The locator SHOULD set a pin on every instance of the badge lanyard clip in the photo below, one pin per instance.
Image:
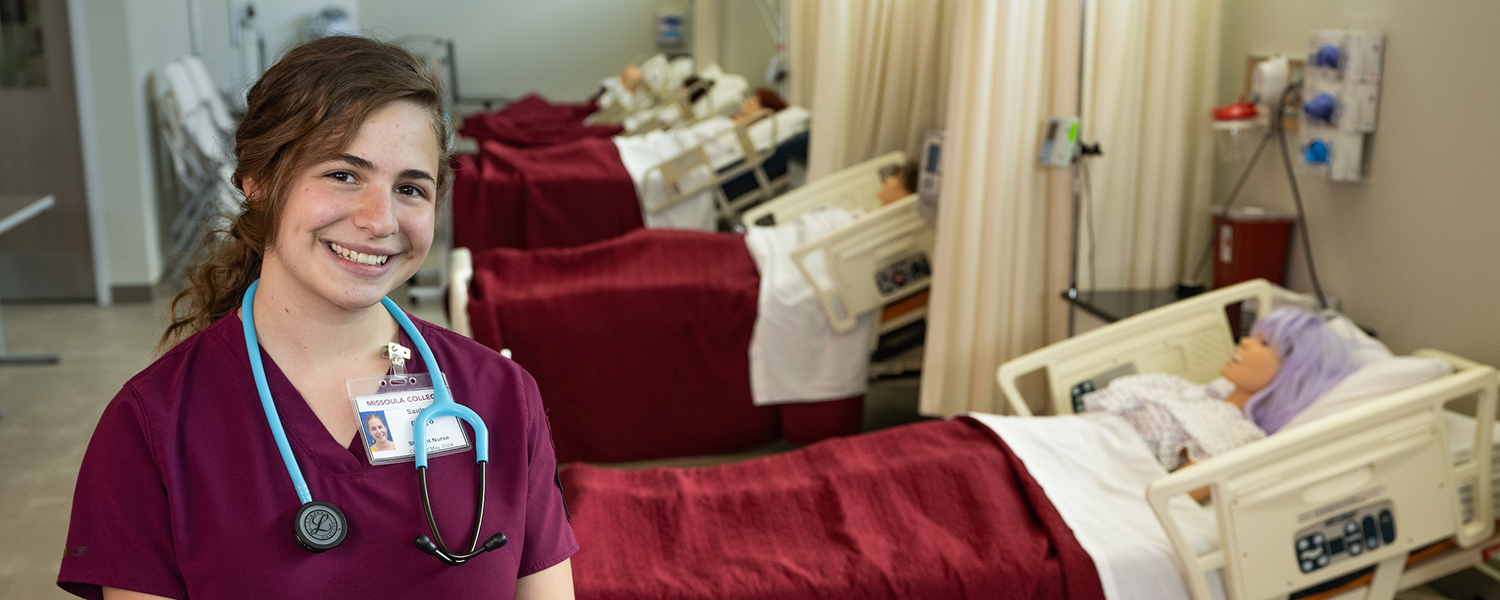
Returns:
(397, 354)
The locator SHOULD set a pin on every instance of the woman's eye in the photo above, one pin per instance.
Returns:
(411, 190)
(341, 176)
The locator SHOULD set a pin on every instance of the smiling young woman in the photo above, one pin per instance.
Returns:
(185, 490)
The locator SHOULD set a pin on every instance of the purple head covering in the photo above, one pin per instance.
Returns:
(1313, 360)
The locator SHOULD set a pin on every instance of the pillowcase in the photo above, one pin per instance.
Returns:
(1372, 381)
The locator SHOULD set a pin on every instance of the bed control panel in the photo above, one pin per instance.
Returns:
(1346, 535)
(902, 273)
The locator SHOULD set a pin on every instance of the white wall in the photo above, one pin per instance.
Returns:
(1413, 252)
(129, 41)
(508, 48)
(745, 43)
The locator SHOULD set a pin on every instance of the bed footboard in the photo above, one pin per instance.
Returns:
(1353, 490)
(460, 274)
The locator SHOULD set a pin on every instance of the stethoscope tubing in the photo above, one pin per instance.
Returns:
(252, 345)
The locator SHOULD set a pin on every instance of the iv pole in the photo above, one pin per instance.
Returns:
(1083, 20)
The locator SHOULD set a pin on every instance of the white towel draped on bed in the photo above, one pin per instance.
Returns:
(642, 152)
(795, 356)
(1095, 469)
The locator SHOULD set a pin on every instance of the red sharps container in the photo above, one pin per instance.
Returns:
(1251, 242)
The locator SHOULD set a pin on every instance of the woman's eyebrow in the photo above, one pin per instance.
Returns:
(360, 163)
(355, 161)
(416, 174)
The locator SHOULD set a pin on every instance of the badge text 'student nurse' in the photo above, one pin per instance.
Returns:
(289, 472)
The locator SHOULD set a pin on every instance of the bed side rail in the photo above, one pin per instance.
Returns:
(1189, 338)
(659, 117)
(879, 258)
(1291, 508)
(851, 188)
(460, 274)
(692, 171)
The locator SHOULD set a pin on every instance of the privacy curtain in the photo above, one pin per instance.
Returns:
(1151, 76)
(989, 291)
(874, 72)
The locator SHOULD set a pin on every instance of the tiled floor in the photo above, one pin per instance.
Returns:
(48, 413)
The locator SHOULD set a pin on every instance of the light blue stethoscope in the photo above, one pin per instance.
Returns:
(320, 525)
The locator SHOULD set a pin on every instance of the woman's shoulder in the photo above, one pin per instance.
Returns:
(210, 352)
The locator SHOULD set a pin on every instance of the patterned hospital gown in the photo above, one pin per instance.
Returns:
(1175, 415)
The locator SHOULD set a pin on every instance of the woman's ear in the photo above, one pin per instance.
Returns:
(247, 185)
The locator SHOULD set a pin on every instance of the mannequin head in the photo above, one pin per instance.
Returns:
(1290, 359)
(630, 77)
(898, 182)
(763, 98)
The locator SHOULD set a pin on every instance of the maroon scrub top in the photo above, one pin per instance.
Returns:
(183, 493)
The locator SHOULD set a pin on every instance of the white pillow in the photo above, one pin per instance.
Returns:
(1363, 349)
(1372, 381)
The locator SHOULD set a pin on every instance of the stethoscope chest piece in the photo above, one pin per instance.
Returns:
(320, 526)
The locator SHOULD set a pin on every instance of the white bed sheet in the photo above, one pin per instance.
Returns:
(795, 355)
(1095, 469)
(642, 152)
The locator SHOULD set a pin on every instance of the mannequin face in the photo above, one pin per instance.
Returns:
(631, 77)
(355, 227)
(892, 190)
(748, 108)
(1253, 365)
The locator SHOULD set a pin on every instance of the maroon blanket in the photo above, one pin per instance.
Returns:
(551, 197)
(640, 345)
(533, 121)
(940, 509)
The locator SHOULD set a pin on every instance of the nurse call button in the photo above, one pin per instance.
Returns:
(320, 526)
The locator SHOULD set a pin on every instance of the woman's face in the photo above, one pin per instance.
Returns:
(355, 227)
(377, 429)
(1253, 365)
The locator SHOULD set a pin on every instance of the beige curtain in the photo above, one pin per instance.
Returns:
(990, 290)
(874, 72)
(1151, 78)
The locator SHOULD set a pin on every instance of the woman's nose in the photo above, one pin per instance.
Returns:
(376, 213)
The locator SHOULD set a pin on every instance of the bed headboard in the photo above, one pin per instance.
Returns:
(1189, 338)
(850, 188)
(881, 257)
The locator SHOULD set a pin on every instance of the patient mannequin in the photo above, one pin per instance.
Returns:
(630, 77)
(1290, 359)
(899, 182)
(762, 98)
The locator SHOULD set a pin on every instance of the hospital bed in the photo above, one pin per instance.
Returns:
(921, 510)
(722, 95)
(534, 121)
(669, 322)
(1276, 501)
(594, 189)
(707, 173)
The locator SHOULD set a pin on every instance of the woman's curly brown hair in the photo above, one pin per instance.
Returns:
(305, 110)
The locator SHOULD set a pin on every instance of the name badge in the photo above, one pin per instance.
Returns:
(387, 408)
